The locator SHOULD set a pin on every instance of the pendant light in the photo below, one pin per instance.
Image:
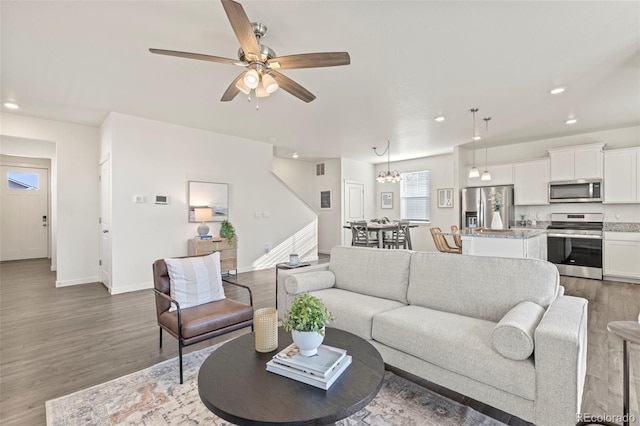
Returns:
(486, 176)
(474, 173)
(388, 176)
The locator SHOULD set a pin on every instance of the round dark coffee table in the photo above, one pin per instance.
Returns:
(233, 383)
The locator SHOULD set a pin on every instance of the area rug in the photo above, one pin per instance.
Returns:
(154, 397)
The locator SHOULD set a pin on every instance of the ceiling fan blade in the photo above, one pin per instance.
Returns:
(197, 56)
(232, 91)
(310, 60)
(242, 27)
(292, 87)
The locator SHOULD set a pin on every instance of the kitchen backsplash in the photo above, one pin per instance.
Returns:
(622, 226)
(613, 213)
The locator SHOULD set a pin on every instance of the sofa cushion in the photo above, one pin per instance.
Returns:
(477, 286)
(375, 272)
(195, 280)
(513, 335)
(354, 312)
(457, 343)
(309, 281)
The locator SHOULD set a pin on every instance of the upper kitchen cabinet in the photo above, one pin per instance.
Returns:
(531, 182)
(621, 175)
(576, 162)
(501, 174)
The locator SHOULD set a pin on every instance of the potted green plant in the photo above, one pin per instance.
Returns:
(227, 230)
(306, 321)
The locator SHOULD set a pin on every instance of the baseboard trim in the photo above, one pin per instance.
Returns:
(129, 288)
(77, 281)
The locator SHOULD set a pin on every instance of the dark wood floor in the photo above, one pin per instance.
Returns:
(54, 341)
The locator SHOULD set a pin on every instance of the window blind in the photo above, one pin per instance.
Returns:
(414, 196)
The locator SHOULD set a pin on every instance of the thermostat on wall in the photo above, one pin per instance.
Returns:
(162, 199)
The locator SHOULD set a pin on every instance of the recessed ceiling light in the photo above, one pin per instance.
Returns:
(571, 121)
(477, 137)
(558, 90)
(11, 105)
(439, 118)
(295, 155)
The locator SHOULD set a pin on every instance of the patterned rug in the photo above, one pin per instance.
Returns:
(154, 397)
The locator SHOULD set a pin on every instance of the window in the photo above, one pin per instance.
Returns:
(414, 196)
(27, 181)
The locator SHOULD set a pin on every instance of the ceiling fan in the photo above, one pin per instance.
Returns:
(261, 62)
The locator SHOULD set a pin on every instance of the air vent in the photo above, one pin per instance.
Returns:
(320, 169)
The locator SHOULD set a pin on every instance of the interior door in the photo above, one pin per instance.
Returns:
(105, 224)
(24, 223)
(353, 207)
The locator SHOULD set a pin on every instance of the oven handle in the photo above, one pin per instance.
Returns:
(585, 237)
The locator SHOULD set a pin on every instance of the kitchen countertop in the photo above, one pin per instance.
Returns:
(498, 233)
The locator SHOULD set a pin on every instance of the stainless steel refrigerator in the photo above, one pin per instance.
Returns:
(476, 209)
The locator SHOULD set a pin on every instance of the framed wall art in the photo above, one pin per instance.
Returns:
(386, 200)
(326, 200)
(445, 198)
(209, 195)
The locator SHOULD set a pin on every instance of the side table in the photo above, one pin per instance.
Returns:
(628, 331)
(287, 265)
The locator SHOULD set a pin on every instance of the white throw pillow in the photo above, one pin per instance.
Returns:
(195, 280)
(513, 335)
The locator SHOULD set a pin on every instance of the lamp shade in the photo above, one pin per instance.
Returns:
(474, 172)
(243, 87)
(269, 83)
(251, 79)
(203, 214)
(261, 91)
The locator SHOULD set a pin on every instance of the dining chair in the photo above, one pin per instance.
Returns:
(360, 235)
(400, 236)
(441, 242)
(456, 238)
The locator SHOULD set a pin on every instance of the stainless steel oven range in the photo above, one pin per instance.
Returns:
(574, 244)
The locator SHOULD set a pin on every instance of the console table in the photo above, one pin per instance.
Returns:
(228, 251)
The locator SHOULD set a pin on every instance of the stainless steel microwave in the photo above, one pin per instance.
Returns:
(576, 191)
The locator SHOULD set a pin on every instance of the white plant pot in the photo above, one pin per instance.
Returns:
(307, 341)
(496, 221)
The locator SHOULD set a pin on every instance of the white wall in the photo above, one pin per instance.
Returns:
(74, 192)
(296, 174)
(441, 172)
(151, 158)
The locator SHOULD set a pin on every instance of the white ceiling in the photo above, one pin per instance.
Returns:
(410, 61)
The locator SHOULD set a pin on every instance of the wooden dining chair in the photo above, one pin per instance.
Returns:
(360, 235)
(441, 242)
(456, 238)
(399, 237)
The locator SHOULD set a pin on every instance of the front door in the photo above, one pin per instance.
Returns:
(353, 207)
(24, 223)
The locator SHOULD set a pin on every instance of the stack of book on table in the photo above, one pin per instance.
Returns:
(320, 370)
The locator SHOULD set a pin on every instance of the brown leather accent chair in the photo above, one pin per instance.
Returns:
(441, 242)
(198, 323)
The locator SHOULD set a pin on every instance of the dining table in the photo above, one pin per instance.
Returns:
(381, 228)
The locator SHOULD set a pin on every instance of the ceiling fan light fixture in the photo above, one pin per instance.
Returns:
(243, 87)
(251, 79)
(261, 92)
(269, 83)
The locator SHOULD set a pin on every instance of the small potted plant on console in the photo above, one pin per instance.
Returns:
(306, 320)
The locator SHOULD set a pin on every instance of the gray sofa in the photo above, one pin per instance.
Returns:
(497, 330)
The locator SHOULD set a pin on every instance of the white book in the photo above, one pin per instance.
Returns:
(321, 364)
(309, 379)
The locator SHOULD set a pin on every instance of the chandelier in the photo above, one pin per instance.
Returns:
(388, 176)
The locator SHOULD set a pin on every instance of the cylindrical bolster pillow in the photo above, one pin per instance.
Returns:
(309, 281)
(513, 335)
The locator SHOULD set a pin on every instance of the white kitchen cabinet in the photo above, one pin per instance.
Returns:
(622, 176)
(622, 255)
(576, 162)
(501, 174)
(531, 182)
(527, 247)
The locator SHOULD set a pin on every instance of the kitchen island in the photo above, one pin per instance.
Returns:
(503, 242)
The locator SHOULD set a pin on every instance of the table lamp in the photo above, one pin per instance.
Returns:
(203, 215)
